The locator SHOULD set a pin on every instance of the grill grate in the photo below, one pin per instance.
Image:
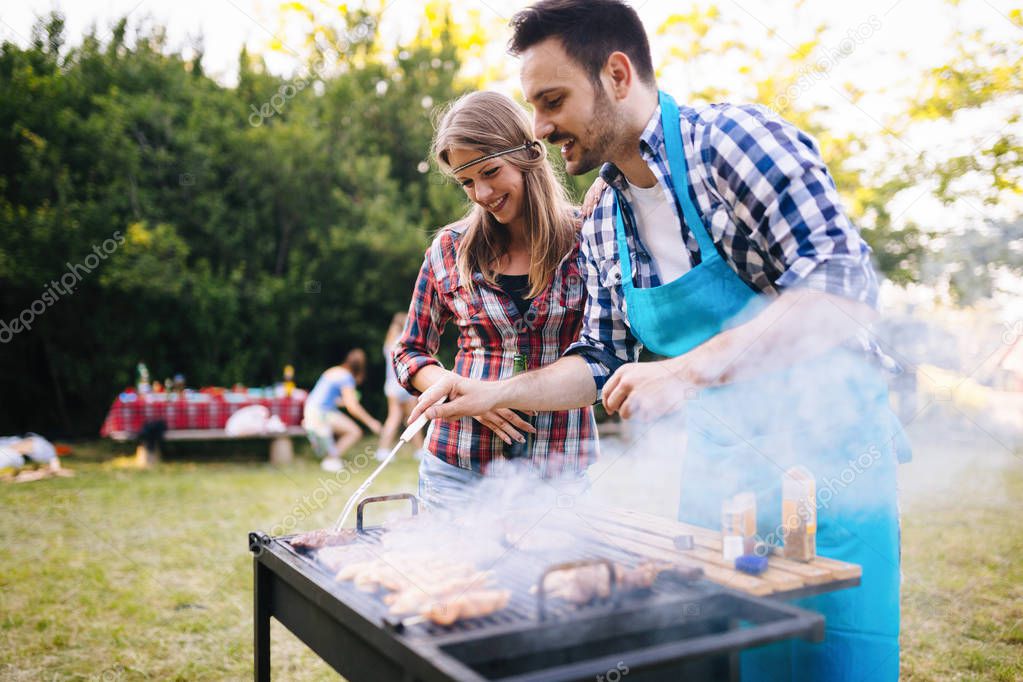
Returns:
(518, 571)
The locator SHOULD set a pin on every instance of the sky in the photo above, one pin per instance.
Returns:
(916, 26)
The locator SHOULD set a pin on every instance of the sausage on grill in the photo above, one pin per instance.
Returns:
(413, 598)
(474, 604)
(583, 584)
(315, 539)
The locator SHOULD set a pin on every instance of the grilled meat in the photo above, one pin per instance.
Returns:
(317, 539)
(400, 570)
(441, 590)
(583, 584)
(579, 585)
(412, 599)
(641, 577)
(334, 558)
(475, 604)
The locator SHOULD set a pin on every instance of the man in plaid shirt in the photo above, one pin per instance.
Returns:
(722, 245)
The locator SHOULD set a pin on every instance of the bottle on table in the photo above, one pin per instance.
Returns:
(747, 505)
(799, 514)
(519, 450)
(289, 380)
(738, 525)
(731, 530)
(142, 385)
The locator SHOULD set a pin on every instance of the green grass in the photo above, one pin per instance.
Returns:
(962, 604)
(119, 574)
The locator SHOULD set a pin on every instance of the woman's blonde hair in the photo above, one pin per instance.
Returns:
(395, 329)
(489, 122)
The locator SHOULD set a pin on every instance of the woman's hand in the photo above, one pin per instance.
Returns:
(465, 398)
(592, 197)
(375, 426)
(506, 424)
(470, 398)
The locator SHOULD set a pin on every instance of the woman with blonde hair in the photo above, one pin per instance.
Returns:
(508, 275)
(399, 401)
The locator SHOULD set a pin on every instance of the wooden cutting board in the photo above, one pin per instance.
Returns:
(654, 537)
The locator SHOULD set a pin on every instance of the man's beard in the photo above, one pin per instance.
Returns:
(603, 132)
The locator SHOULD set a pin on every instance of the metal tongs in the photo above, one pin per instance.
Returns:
(406, 435)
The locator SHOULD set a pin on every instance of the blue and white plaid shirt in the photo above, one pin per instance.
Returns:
(771, 206)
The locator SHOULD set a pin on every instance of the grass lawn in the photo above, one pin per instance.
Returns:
(123, 574)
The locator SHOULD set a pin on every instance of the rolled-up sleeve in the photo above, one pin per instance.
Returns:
(772, 176)
(605, 341)
(420, 339)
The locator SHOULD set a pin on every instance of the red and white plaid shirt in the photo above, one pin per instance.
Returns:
(490, 333)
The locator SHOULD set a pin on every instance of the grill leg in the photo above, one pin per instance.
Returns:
(261, 612)
(734, 669)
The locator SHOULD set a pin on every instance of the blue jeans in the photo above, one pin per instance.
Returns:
(445, 485)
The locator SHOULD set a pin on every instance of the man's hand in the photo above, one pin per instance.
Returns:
(648, 390)
(466, 398)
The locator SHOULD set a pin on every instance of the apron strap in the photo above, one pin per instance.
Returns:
(680, 175)
(680, 187)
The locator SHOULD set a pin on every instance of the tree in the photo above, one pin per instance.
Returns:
(283, 220)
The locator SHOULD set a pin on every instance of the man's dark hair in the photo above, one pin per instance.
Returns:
(589, 30)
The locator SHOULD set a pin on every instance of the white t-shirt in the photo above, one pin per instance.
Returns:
(659, 231)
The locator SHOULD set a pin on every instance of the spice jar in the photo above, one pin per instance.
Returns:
(732, 524)
(799, 514)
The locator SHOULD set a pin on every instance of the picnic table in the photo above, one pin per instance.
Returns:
(152, 418)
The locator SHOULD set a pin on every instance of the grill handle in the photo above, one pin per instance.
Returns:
(384, 498)
(541, 592)
(257, 541)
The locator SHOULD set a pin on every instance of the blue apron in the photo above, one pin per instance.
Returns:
(828, 413)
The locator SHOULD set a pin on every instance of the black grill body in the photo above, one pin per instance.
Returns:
(679, 629)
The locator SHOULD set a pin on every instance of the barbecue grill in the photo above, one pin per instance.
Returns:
(683, 627)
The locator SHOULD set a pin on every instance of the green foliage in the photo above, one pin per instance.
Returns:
(280, 221)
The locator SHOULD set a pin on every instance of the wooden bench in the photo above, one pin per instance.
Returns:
(148, 453)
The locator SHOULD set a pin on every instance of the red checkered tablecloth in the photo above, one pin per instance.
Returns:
(196, 411)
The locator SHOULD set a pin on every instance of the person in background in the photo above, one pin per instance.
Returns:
(399, 401)
(508, 276)
(331, 431)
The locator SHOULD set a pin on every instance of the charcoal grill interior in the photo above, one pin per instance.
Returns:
(678, 627)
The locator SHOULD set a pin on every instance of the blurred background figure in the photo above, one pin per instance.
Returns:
(399, 401)
(332, 432)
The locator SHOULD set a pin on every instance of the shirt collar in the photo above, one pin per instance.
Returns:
(650, 140)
